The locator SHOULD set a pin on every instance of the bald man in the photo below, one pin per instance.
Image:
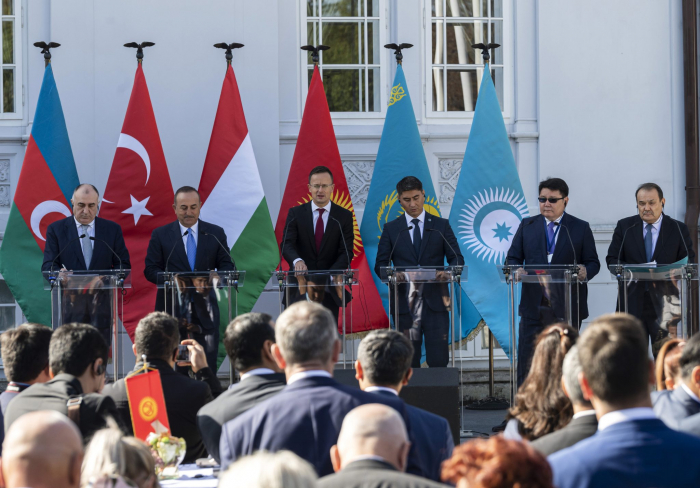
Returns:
(66, 250)
(42, 449)
(372, 451)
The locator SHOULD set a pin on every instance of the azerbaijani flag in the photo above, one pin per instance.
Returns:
(45, 188)
(233, 198)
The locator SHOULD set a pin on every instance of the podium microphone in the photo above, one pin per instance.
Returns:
(578, 314)
(622, 244)
(571, 243)
(121, 270)
(687, 253)
(81, 236)
(222, 247)
(284, 238)
(171, 251)
(397, 241)
(446, 242)
(342, 234)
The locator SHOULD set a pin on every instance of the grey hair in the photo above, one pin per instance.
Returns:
(570, 372)
(305, 332)
(385, 356)
(283, 469)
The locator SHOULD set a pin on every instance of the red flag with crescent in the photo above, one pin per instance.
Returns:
(139, 195)
(317, 146)
(147, 404)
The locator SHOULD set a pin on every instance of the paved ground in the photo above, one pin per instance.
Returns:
(480, 422)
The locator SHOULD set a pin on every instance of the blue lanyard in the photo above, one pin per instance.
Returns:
(550, 245)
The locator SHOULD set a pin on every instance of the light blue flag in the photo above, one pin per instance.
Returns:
(487, 209)
(400, 154)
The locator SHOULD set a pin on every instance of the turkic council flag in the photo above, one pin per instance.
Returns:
(317, 146)
(43, 195)
(487, 209)
(233, 198)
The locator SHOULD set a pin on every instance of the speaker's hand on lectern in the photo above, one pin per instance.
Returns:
(582, 272)
(300, 267)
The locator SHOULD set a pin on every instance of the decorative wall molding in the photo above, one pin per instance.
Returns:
(449, 169)
(358, 173)
(5, 200)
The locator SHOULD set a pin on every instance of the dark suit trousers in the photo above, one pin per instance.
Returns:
(435, 326)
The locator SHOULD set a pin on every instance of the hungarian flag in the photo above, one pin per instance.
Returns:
(139, 195)
(45, 188)
(233, 198)
(317, 146)
(147, 404)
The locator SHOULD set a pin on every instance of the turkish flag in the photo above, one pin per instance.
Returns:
(317, 146)
(147, 404)
(139, 195)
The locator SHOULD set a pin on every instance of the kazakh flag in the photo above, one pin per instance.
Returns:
(400, 154)
(487, 209)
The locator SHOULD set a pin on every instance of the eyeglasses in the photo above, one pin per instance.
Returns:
(550, 200)
(320, 187)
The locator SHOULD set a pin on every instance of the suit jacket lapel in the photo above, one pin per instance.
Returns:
(404, 236)
(179, 254)
(541, 233)
(425, 235)
(71, 232)
(307, 220)
(664, 235)
(203, 247)
(98, 246)
(330, 225)
(638, 238)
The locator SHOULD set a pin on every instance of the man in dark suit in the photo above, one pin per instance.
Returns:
(190, 245)
(584, 424)
(25, 358)
(304, 417)
(423, 308)
(65, 250)
(551, 238)
(684, 401)
(651, 236)
(248, 340)
(318, 235)
(371, 452)
(157, 337)
(383, 367)
(77, 364)
(632, 446)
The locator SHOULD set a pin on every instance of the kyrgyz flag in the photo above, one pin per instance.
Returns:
(147, 404)
(317, 146)
(43, 194)
(233, 198)
(139, 195)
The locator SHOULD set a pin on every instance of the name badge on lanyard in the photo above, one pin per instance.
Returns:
(552, 243)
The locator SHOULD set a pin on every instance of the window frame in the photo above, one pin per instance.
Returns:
(383, 64)
(507, 48)
(18, 114)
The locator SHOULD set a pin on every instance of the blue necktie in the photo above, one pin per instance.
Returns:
(416, 236)
(191, 249)
(648, 246)
(550, 238)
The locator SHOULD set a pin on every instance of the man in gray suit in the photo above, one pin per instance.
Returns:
(372, 451)
(674, 406)
(584, 424)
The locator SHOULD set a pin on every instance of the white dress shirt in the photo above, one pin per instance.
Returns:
(90, 230)
(421, 224)
(585, 413)
(256, 372)
(314, 214)
(655, 228)
(194, 230)
(381, 388)
(308, 374)
(690, 392)
(557, 221)
(625, 415)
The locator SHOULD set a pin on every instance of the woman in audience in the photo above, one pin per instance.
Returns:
(667, 369)
(497, 463)
(283, 469)
(541, 407)
(112, 456)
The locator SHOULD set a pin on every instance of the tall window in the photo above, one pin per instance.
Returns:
(10, 30)
(457, 68)
(351, 68)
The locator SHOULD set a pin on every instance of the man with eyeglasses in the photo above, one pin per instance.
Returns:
(318, 235)
(651, 236)
(552, 238)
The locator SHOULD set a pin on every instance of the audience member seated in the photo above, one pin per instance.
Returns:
(541, 407)
(282, 469)
(584, 422)
(111, 455)
(383, 366)
(157, 337)
(77, 364)
(305, 417)
(497, 463)
(25, 358)
(248, 341)
(683, 401)
(372, 451)
(42, 449)
(667, 369)
(632, 447)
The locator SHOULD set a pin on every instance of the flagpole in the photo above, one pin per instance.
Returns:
(46, 50)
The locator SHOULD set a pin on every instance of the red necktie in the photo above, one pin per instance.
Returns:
(319, 229)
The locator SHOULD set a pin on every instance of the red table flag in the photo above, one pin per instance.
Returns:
(147, 404)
